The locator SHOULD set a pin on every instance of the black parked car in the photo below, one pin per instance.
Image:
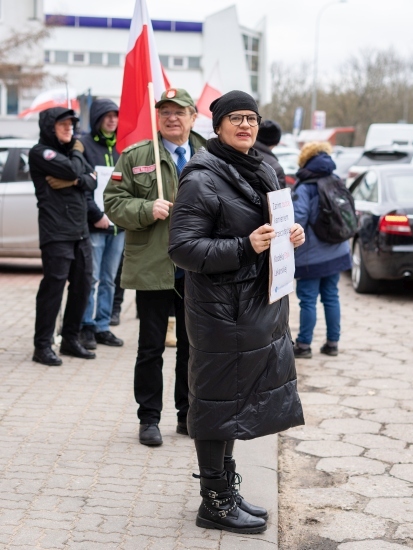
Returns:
(383, 245)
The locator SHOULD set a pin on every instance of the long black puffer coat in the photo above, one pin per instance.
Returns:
(242, 377)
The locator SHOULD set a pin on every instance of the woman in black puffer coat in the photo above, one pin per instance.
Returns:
(242, 377)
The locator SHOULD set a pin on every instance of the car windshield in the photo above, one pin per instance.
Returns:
(400, 187)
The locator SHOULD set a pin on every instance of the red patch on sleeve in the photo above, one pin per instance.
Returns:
(117, 176)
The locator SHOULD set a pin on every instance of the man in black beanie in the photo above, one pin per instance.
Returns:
(269, 135)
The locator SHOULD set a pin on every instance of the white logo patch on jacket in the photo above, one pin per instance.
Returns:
(49, 154)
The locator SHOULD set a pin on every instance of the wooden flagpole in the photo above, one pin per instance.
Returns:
(155, 140)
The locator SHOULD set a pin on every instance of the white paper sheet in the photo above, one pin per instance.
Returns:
(282, 264)
(103, 174)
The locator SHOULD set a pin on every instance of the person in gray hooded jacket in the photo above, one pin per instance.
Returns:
(107, 240)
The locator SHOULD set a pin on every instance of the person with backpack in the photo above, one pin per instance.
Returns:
(318, 196)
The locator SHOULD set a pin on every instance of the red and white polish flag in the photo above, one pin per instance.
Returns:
(142, 65)
(57, 97)
(211, 91)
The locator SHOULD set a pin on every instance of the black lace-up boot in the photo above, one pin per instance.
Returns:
(234, 481)
(219, 510)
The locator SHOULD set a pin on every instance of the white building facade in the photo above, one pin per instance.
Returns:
(88, 53)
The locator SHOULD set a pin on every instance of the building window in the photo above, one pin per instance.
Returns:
(61, 57)
(254, 83)
(12, 99)
(178, 62)
(255, 44)
(252, 46)
(96, 58)
(114, 59)
(246, 41)
(164, 59)
(78, 57)
(47, 56)
(194, 62)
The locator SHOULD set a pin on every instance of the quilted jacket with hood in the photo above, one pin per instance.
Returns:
(242, 377)
(315, 258)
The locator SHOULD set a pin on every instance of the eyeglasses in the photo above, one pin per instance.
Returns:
(237, 120)
(168, 114)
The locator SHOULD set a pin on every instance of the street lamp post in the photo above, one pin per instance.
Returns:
(315, 63)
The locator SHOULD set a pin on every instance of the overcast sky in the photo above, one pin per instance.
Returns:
(345, 28)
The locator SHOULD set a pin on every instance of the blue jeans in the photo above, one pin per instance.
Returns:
(307, 292)
(107, 251)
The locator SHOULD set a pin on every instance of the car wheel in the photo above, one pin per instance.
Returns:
(362, 282)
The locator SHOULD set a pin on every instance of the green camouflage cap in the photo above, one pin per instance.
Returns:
(176, 95)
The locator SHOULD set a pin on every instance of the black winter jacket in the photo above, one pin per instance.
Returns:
(272, 160)
(242, 377)
(99, 151)
(62, 212)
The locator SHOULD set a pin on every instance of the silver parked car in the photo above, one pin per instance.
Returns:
(18, 204)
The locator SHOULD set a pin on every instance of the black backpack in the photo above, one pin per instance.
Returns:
(336, 220)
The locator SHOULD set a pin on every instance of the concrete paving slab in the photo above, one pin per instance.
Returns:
(354, 465)
(396, 509)
(378, 486)
(370, 545)
(350, 525)
(371, 441)
(350, 426)
(329, 448)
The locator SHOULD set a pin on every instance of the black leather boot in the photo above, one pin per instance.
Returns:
(219, 510)
(234, 481)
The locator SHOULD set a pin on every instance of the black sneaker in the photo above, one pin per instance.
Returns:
(107, 338)
(47, 357)
(302, 353)
(87, 338)
(329, 350)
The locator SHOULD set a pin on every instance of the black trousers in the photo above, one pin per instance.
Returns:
(153, 308)
(119, 292)
(63, 261)
(212, 456)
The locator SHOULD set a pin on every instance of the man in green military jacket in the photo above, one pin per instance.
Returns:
(132, 202)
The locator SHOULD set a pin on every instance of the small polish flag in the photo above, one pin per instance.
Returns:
(142, 66)
(117, 176)
(57, 97)
(210, 92)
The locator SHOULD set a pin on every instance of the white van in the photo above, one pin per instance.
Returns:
(389, 134)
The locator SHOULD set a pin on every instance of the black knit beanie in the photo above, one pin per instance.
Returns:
(232, 101)
(269, 132)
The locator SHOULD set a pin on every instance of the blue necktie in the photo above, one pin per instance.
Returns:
(180, 151)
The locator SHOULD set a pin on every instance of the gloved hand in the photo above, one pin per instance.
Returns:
(56, 183)
(78, 146)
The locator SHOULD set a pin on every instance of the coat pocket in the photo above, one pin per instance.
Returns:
(137, 237)
(146, 186)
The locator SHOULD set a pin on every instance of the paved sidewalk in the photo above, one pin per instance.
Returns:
(346, 478)
(73, 475)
